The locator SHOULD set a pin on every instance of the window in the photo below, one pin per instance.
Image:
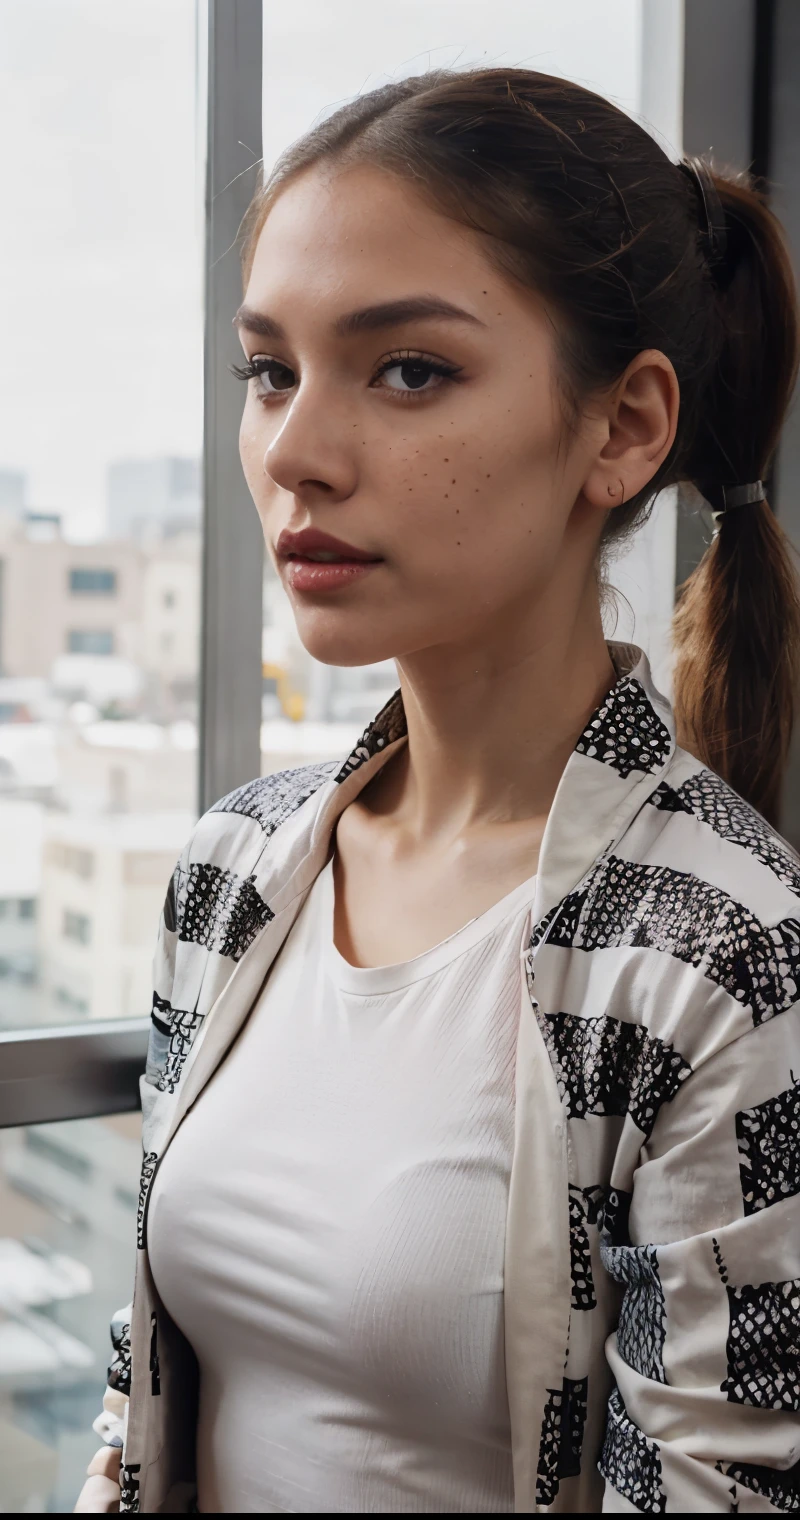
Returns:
(92, 582)
(147, 868)
(70, 857)
(14, 908)
(70, 1002)
(90, 641)
(46, 1144)
(76, 926)
(98, 729)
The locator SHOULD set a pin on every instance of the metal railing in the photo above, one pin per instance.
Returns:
(80, 1071)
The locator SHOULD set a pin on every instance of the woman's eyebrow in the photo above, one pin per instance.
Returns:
(392, 313)
(368, 319)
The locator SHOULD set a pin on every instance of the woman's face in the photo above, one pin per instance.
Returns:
(406, 406)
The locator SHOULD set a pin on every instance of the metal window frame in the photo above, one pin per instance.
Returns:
(233, 547)
(80, 1071)
(88, 1070)
(740, 99)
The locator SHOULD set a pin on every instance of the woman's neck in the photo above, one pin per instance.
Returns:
(491, 727)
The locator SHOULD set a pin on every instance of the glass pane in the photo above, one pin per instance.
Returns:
(68, 1209)
(100, 285)
(312, 711)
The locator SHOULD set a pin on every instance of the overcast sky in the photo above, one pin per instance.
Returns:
(100, 319)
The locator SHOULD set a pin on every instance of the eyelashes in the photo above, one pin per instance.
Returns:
(412, 358)
(249, 370)
(416, 364)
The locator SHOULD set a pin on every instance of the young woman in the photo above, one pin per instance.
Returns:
(471, 1112)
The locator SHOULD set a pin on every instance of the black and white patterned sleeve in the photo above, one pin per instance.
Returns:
(110, 1423)
(705, 1414)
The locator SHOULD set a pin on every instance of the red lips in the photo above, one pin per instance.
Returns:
(306, 574)
(310, 541)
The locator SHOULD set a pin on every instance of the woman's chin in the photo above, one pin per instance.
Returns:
(344, 651)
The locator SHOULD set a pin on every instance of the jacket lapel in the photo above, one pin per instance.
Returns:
(616, 764)
(283, 879)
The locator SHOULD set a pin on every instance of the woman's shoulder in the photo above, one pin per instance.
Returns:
(269, 800)
(216, 871)
(695, 912)
(708, 885)
(247, 817)
(712, 833)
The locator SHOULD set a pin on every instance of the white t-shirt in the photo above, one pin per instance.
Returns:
(327, 1229)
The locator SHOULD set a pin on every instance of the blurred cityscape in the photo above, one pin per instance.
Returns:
(68, 1208)
(98, 734)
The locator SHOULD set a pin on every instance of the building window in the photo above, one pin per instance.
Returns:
(70, 857)
(90, 641)
(76, 926)
(17, 907)
(147, 868)
(70, 1000)
(87, 581)
(50, 1150)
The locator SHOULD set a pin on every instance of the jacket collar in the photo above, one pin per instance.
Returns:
(616, 764)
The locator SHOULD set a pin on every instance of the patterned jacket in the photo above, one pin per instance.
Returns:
(652, 1278)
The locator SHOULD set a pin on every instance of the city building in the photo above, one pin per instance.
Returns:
(151, 497)
(21, 830)
(68, 612)
(125, 767)
(103, 884)
(170, 648)
(60, 598)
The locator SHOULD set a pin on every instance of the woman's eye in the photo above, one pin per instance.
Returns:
(272, 377)
(406, 375)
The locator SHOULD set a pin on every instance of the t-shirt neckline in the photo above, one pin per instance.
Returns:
(367, 981)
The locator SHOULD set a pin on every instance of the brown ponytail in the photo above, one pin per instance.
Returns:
(578, 202)
(737, 624)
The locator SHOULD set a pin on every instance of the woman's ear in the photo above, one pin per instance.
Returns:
(641, 421)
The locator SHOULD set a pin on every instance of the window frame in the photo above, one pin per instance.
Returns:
(100, 580)
(76, 1071)
(78, 637)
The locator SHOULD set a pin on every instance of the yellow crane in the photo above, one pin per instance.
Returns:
(293, 703)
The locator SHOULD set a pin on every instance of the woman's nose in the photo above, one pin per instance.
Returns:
(312, 454)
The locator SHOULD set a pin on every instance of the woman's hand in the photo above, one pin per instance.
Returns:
(100, 1492)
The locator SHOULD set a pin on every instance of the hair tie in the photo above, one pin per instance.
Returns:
(713, 231)
(722, 499)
